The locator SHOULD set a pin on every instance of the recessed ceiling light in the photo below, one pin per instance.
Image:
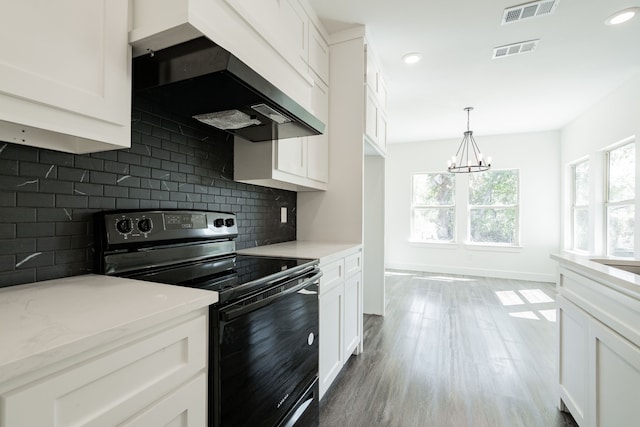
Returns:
(622, 16)
(412, 58)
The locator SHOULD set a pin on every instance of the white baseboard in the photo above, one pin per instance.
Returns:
(465, 271)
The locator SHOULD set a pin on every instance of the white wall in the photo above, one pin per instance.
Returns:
(536, 155)
(614, 119)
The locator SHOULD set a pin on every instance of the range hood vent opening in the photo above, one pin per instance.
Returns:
(200, 80)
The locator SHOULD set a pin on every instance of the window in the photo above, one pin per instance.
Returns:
(620, 200)
(433, 207)
(493, 207)
(580, 205)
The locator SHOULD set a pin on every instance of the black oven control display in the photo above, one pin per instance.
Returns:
(185, 221)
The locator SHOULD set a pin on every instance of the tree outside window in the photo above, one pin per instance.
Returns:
(493, 207)
(620, 200)
(433, 210)
(580, 205)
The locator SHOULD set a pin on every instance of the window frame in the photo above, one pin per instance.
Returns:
(574, 206)
(415, 207)
(606, 202)
(470, 207)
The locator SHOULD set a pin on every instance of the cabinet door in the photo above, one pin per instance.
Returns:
(371, 117)
(352, 304)
(318, 146)
(331, 336)
(295, 24)
(382, 132)
(111, 387)
(291, 156)
(616, 375)
(382, 93)
(573, 324)
(318, 54)
(371, 77)
(65, 63)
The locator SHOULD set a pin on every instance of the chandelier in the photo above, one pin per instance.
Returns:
(468, 158)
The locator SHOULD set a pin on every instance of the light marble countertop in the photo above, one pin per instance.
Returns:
(43, 322)
(324, 251)
(621, 280)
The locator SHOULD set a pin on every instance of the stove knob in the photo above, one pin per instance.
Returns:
(218, 222)
(124, 226)
(145, 225)
(229, 222)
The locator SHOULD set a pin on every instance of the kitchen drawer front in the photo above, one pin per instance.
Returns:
(187, 406)
(615, 309)
(111, 387)
(353, 263)
(332, 275)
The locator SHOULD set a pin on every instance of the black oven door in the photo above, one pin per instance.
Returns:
(265, 357)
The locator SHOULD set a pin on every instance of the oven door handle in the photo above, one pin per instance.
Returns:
(233, 313)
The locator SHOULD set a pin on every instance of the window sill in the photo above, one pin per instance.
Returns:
(434, 244)
(492, 247)
(578, 252)
(467, 245)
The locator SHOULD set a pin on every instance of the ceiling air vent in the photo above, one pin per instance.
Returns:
(528, 10)
(515, 49)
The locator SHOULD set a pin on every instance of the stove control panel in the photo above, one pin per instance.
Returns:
(175, 225)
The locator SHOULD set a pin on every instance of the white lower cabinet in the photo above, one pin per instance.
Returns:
(340, 315)
(331, 356)
(615, 379)
(599, 352)
(180, 408)
(573, 364)
(155, 377)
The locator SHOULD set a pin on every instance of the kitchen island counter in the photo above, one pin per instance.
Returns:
(598, 339)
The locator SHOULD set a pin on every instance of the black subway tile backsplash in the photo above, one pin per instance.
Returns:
(47, 198)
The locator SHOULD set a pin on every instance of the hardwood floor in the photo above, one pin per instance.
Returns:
(453, 351)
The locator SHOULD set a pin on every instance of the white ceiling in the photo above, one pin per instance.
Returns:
(577, 62)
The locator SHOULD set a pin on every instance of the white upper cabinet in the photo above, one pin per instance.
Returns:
(318, 146)
(282, 23)
(375, 105)
(291, 156)
(296, 164)
(318, 54)
(65, 74)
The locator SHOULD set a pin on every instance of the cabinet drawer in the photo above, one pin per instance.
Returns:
(615, 309)
(353, 263)
(332, 275)
(187, 406)
(109, 388)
